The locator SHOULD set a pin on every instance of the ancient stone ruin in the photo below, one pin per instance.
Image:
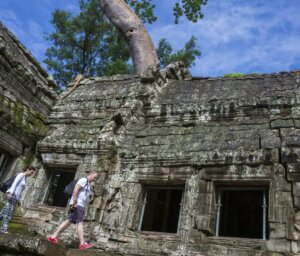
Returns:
(188, 166)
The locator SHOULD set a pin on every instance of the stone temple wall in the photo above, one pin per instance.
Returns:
(187, 166)
(202, 136)
(26, 98)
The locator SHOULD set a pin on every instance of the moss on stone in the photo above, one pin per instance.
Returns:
(16, 225)
(234, 75)
(83, 136)
(29, 156)
(30, 121)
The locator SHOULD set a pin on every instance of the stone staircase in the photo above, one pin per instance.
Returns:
(18, 224)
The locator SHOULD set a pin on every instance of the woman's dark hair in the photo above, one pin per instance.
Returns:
(30, 167)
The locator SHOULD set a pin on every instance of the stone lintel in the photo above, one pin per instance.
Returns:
(71, 147)
(205, 158)
(161, 174)
(239, 172)
(66, 160)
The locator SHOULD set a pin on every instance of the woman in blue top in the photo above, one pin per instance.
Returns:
(13, 195)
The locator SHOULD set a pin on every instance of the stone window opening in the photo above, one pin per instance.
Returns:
(161, 209)
(4, 161)
(242, 212)
(58, 179)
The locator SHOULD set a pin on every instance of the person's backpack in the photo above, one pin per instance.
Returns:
(7, 184)
(68, 191)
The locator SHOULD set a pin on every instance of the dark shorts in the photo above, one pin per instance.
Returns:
(77, 215)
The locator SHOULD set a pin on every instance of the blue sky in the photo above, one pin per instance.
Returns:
(243, 36)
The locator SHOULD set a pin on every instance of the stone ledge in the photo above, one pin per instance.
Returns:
(257, 244)
(89, 252)
(17, 244)
(14, 243)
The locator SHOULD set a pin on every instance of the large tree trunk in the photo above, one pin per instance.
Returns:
(140, 44)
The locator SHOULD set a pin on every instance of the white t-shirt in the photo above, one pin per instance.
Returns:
(84, 192)
(18, 185)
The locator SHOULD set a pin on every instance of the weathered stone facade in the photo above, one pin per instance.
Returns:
(26, 98)
(211, 140)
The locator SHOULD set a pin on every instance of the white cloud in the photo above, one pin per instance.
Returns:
(30, 25)
(234, 36)
(240, 37)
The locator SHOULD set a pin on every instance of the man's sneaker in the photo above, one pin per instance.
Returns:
(4, 232)
(52, 240)
(85, 246)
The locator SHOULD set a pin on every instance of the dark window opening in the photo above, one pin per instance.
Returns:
(161, 209)
(4, 162)
(242, 213)
(58, 180)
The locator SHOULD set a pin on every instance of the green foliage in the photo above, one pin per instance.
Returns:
(241, 75)
(191, 9)
(143, 9)
(117, 66)
(85, 44)
(234, 75)
(115, 55)
(88, 44)
(188, 54)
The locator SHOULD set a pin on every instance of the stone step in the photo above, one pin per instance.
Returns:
(18, 223)
(26, 245)
(90, 252)
(18, 219)
(18, 244)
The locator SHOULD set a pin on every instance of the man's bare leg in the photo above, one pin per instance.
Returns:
(61, 228)
(80, 232)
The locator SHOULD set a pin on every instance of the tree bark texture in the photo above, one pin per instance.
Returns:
(140, 44)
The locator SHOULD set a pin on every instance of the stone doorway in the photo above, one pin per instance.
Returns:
(58, 179)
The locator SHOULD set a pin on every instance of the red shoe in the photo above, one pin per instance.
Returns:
(85, 246)
(52, 240)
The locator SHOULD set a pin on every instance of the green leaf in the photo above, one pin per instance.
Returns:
(187, 55)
